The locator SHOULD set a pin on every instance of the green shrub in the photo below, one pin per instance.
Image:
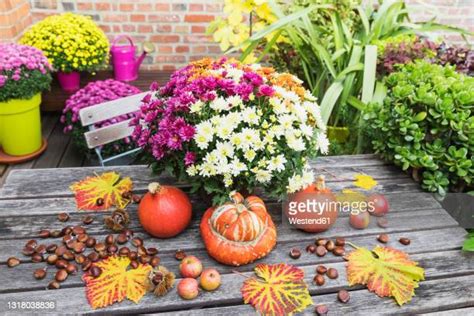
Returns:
(426, 125)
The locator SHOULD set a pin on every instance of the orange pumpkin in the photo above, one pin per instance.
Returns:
(238, 232)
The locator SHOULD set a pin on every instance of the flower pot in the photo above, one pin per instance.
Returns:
(20, 126)
(338, 134)
(69, 81)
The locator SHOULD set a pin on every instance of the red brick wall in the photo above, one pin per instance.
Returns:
(177, 27)
(14, 18)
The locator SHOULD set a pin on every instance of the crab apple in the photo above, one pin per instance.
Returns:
(359, 220)
(188, 288)
(210, 279)
(378, 203)
(190, 267)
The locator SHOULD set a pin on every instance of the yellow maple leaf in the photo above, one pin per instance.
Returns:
(385, 271)
(116, 282)
(279, 290)
(364, 181)
(108, 187)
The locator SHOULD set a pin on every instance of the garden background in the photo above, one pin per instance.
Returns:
(177, 27)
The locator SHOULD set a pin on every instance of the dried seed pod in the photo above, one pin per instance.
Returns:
(137, 242)
(339, 251)
(404, 241)
(63, 217)
(295, 253)
(28, 251)
(155, 261)
(53, 285)
(133, 255)
(93, 256)
(383, 238)
(51, 259)
(319, 279)
(151, 251)
(330, 245)
(112, 249)
(99, 202)
(39, 274)
(145, 259)
(90, 242)
(134, 264)
(321, 269)
(37, 258)
(118, 220)
(61, 275)
(343, 296)
(56, 233)
(71, 268)
(321, 310)
(100, 247)
(95, 271)
(124, 251)
(80, 258)
(77, 230)
(82, 238)
(122, 239)
(61, 264)
(51, 248)
(109, 240)
(141, 251)
(311, 248)
(86, 265)
(44, 233)
(180, 255)
(161, 280)
(12, 262)
(41, 249)
(68, 255)
(340, 241)
(31, 244)
(88, 220)
(136, 198)
(332, 273)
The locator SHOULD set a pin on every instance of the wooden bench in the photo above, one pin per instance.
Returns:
(31, 199)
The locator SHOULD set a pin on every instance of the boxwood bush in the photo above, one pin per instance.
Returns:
(426, 125)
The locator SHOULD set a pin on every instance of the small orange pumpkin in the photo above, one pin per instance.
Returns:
(238, 232)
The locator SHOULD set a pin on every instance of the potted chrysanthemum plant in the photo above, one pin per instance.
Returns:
(224, 126)
(24, 74)
(73, 43)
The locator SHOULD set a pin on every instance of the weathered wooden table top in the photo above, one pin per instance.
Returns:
(31, 199)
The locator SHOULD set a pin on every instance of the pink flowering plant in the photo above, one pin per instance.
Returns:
(223, 126)
(95, 93)
(24, 72)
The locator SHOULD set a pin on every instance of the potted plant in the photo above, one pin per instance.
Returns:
(73, 43)
(224, 126)
(95, 93)
(24, 74)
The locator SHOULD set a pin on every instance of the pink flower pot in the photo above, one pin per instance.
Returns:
(69, 81)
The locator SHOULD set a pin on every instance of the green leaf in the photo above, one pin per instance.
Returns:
(330, 99)
(420, 117)
(370, 67)
(468, 244)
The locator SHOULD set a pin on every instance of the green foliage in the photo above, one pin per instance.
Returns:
(331, 51)
(426, 123)
(31, 83)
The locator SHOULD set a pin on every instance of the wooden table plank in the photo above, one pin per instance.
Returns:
(57, 143)
(71, 157)
(432, 294)
(19, 278)
(36, 183)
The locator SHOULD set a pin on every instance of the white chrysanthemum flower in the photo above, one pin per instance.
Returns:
(249, 138)
(307, 178)
(276, 131)
(308, 96)
(306, 130)
(286, 121)
(207, 170)
(256, 67)
(322, 142)
(249, 115)
(196, 106)
(234, 73)
(206, 129)
(250, 154)
(223, 167)
(225, 149)
(299, 111)
(192, 170)
(201, 141)
(234, 101)
(236, 167)
(295, 183)
(219, 104)
(228, 181)
(224, 131)
(277, 163)
(212, 157)
(263, 176)
(279, 107)
(236, 140)
(296, 143)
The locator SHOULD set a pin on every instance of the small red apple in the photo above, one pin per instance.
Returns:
(188, 288)
(378, 204)
(359, 220)
(190, 267)
(210, 279)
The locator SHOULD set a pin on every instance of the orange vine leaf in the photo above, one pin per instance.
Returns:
(116, 282)
(279, 290)
(107, 188)
(385, 271)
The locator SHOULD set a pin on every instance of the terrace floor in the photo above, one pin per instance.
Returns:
(61, 152)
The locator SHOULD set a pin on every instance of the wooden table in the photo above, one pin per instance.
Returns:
(31, 199)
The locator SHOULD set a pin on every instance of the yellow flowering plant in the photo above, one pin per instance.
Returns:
(242, 18)
(71, 42)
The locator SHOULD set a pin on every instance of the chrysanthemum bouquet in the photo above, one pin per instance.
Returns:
(224, 126)
(95, 93)
(72, 42)
(24, 72)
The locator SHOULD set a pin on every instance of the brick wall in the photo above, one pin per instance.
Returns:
(14, 18)
(177, 27)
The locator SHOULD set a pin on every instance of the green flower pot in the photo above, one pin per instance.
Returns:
(20, 126)
(338, 134)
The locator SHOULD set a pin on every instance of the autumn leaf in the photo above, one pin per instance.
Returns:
(385, 271)
(364, 181)
(116, 282)
(108, 188)
(279, 290)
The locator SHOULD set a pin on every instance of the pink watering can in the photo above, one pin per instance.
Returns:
(123, 58)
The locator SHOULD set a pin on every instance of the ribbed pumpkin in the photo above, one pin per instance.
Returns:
(238, 232)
